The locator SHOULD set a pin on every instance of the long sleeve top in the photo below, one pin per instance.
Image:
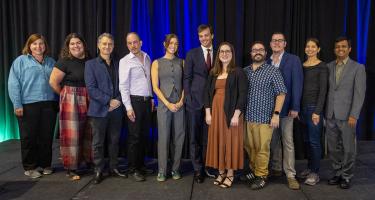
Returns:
(315, 86)
(29, 80)
(134, 78)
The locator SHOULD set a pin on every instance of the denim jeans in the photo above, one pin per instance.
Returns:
(312, 138)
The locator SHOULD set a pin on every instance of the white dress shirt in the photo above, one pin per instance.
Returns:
(205, 54)
(134, 78)
(280, 57)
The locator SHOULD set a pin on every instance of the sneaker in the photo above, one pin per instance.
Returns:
(259, 183)
(32, 173)
(293, 184)
(305, 173)
(161, 177)
(312, 179)
(47, 171)
(250, 177)
(176, 175)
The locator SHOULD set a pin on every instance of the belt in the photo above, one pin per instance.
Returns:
(140, 98)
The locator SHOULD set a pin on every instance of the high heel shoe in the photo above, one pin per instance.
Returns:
(219, 182)
(224, 185)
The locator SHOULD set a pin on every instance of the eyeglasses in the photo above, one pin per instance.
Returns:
(277, 40)
(258, 50)
(225, 51)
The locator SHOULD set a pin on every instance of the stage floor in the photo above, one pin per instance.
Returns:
(14, 185)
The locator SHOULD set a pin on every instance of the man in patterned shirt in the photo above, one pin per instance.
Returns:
(265, 99)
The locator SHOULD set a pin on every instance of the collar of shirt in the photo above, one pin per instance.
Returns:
(205, 49)
(205, 53)
(260, 67)
(145, 56)
(33, 58)
(342, 62)
(102, 60)
(280, 57)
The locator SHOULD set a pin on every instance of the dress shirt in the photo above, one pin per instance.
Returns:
(265, 83)
(134, 78)
(277, 64)
(211, 53)
(339, 68)
(29, 80)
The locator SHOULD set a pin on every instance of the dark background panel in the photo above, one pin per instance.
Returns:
(238, 21)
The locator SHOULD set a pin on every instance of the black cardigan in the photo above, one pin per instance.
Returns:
(235, 92)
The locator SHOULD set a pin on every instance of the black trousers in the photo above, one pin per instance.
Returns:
(36, 128)
(138, 132)
(110, 127)
(197, 130)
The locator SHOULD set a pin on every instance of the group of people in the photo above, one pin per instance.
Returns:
(225, 110)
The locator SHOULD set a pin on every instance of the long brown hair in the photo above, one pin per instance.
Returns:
(218, 66)
(32, 38)
(65, 53)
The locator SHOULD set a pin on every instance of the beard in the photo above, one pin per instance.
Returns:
(258, 58)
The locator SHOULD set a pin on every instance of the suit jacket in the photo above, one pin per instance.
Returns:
(291, 69)
(235, 93)
(195, 76)
(346, 98)
(99, 85)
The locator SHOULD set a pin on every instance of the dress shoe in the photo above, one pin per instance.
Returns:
(138, 177)
(116, 172)
(345, 183)
(98, 177)
(334, 180)
(198, 177)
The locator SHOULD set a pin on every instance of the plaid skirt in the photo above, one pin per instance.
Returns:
(75, 132)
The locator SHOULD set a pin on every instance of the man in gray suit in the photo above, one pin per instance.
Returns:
(347, 86)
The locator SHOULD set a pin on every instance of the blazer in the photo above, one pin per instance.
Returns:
(235, 93)
(346, 98)
(99, 86)
(194, 78)
(291, 69)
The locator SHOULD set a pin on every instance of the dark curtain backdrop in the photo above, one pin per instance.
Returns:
(237, 21)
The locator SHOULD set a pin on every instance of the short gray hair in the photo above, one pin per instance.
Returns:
(108, 35)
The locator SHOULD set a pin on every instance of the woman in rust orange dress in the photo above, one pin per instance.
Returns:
(225, 99)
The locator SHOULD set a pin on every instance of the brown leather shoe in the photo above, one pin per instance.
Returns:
(293, 184)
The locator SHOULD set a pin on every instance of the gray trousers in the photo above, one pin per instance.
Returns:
(170, 124)
(110, 127)
(341, 141)
(282, 148)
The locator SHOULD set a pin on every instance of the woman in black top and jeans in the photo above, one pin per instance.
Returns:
(313, 98)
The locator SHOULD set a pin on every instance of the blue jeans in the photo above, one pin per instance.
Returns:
(312, 138)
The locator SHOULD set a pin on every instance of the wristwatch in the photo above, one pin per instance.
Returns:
(276, 113)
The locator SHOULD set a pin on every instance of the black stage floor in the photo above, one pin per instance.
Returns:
(14, 185)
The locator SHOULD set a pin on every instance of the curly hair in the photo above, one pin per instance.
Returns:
(65, 53)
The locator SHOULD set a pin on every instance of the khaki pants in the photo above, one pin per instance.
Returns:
(257, 144)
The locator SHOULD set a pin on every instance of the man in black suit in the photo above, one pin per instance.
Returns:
(198, 63)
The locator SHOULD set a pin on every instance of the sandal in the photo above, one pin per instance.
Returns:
(73, 175)
(224, 185)
(219, 182)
